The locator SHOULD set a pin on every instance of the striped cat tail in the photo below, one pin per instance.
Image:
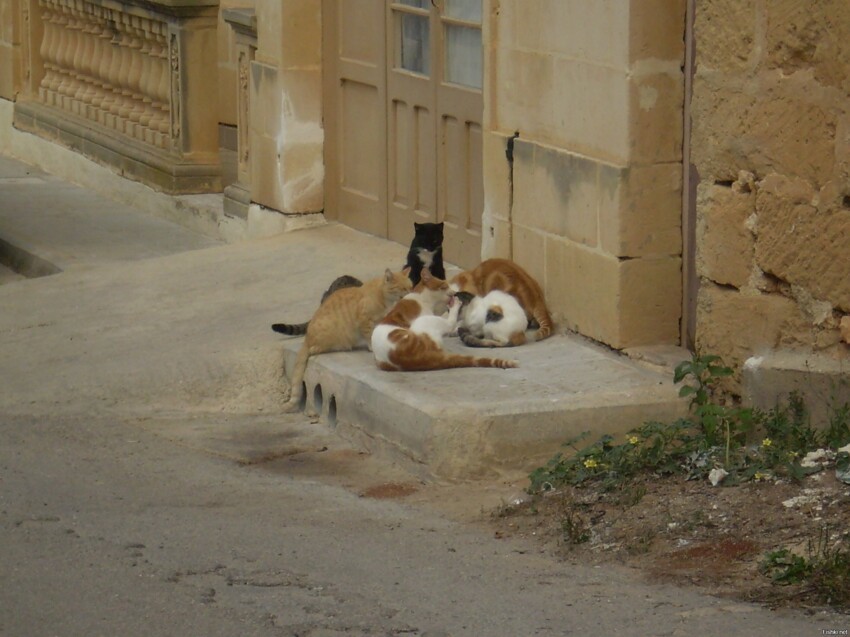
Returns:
(544, 322)
(500, 363)
(298, 329)
(462, 360)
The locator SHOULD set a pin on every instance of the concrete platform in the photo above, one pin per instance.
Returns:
(149, 317)
(466, 423)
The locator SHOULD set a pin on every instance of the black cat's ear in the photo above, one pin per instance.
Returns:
(416, 225)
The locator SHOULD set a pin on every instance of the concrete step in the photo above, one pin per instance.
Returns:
(468, 423)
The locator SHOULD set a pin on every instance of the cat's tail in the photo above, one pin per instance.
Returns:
(544, 322)
(440, 359)
(451, 360)
(290, 329)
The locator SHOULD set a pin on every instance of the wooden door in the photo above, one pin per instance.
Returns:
(430, 54)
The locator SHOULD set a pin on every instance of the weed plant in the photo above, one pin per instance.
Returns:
(823, 574)
(748, 443)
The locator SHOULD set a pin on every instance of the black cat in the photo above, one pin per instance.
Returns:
(426, 251)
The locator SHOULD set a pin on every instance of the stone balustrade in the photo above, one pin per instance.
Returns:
(132, 84)
(109, 67)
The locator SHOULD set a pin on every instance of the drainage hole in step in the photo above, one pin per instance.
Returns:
(303, 402)
(317, 398)
(332, 411)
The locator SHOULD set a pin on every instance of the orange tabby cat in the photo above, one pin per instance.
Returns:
(410, 337)
(505, 275)
(345, 320)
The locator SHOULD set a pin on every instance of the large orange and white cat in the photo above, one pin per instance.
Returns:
(509, 277)
(410, 337)
(344, 321)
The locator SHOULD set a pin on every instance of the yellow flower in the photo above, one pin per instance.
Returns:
(634, 440)
(759, 476)
(766, 442)
(590, 463)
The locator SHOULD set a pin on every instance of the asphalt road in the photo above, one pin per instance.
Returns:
(109, 527)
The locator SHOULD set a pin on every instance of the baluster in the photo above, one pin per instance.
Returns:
(89, 66)
(165, 85)
(100, 64)
(135, 74)
(148, 70)
(63, 47)
(110, 102)
(77, 61)
(74, 53)
(122, 83)
(48, 54)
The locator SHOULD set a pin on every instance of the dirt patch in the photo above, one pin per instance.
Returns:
(389, 490)
(691, 533)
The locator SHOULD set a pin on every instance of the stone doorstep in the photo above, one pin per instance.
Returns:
(468, 423)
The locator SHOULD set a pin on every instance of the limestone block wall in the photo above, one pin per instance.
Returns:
(589, 96)
(771, 143)
(286, 135)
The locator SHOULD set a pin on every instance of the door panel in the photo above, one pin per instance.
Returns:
(410, 91)
(459, 107)
(355, 114)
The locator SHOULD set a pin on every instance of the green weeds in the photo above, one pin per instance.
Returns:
(750, 444)
(824, 573)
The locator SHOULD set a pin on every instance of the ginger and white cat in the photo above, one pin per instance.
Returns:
(507, 276)
(494, 320)
(344, 321)
(410, 337)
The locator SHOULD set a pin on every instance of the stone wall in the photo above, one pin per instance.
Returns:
(771, 143)
(590, 201)
(286, 134)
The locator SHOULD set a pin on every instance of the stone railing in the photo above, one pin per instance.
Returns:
(109, 67)
(132, 84)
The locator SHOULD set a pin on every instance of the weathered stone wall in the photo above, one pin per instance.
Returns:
(286, 134)
(771, 143)
(591, 203)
